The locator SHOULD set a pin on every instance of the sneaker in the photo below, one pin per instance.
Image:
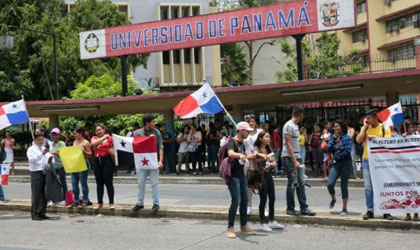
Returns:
(305, 176)
(308, 184)
(2, 201)
(178, 173)
(50, 204)
(307, 212)
(195, 173)
(136, 208)
(230, 233)
(98, 206)
(416, 217)
(63, 203)
(133, 173)
(292, 212)
(248, 210)
(332, 203)
(388, 217)
(264, 228)
(275, 225)
(344, 212)
(112, 206)
(155, 208)
(368, 215)
(407, 217)
(247, 230)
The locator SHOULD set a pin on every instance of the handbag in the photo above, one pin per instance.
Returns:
(255, 179)
(69, 197)
(192, 147)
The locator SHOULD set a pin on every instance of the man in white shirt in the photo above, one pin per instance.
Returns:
(37, 162)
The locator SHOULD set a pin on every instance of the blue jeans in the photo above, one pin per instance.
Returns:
(367, 180)
(62, 174)
(142, 177)
(82, 177)
(342, 169)
(294, 176)
(212, 151)
(238, 189)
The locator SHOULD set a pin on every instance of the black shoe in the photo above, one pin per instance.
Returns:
(307, 212)
(36, 217)
(332, 203)
(44, 217)
(136, 208)
(368, 215)
(292, 212)
(308, 184)
(155, 208)
(89, 203)
(178, 173)
(388, 217)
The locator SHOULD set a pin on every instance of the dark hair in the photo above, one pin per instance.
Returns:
(258, 141)
(147, 119)
(79, 130)
(372, 112)
(183, 128)
(136, 125)
(36, 136)
(297, 111)
(342, 126)
(405, 127)
(349, 124)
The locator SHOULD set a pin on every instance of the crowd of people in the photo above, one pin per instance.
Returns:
(257, 153)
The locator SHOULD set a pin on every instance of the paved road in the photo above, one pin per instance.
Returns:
(206, 195)
(89, 232)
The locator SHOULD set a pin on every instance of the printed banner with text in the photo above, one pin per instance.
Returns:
(394, 165)
(276, 20)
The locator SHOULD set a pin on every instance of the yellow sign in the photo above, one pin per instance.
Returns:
(73, 159)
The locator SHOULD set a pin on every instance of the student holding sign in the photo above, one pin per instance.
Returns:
(371, 129)
(81, 176)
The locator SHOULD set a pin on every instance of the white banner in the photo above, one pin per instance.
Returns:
(394, 165)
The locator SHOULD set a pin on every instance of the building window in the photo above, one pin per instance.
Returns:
(174, 12)
(401, 53)
(164, 13)
(187, 56)
(359, 36)
(64, 10)
(123, 8)
(197, 55)
(177, 56)
(361, 7)
(185, 11)
(388, 2)
(196, 11)
(165, 55)
(396, 24)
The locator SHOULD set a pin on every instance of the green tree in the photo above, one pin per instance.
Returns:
(324, 63)
(33, 50)
(234, 68)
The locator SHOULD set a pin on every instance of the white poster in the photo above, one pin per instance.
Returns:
(92, 44)
(394, 165)
(335, 14)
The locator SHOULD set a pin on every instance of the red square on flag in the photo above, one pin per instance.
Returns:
(2, 111)
(144, 145)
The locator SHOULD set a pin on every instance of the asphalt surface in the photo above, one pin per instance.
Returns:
(99, 232)
(205, 195)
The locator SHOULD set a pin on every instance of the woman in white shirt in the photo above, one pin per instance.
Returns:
(183, 150)
(194, 139)
(249, 148)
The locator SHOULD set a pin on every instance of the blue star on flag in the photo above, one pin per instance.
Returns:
(14, 106)
(204, 95)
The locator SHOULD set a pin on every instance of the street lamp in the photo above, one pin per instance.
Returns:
(54, 51)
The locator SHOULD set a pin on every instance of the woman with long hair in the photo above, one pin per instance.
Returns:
(263, 161)
(82, 176)
(182, 140)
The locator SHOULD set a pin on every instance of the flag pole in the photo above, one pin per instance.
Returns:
(223, 106)
(30, 124)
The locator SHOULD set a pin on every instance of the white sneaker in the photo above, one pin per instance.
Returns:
(265, 228)
(248, 210)
(2, 201)
(275, 225)
(305, 176)
(50, 204)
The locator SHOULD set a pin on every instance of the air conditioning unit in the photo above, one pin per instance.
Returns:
(417, 23)
(388, 2)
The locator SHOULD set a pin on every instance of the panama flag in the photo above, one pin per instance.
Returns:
(140, 152)
(13, 113)
(204, 100)
(392, 116)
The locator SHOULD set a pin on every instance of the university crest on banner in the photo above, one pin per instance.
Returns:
(330, 14)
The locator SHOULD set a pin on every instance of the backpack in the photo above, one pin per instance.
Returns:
(226, 162)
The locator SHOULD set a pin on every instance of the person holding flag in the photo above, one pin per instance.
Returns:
(373, 129)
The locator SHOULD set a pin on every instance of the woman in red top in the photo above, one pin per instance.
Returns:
(103, 166)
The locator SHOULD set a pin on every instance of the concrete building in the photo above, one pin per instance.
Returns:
(177, 69)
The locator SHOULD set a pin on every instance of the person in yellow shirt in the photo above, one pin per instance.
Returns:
(371, 129)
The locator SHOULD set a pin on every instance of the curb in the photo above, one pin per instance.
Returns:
(220, 213)
(188, 180)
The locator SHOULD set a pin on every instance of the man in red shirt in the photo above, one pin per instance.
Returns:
(276, 146)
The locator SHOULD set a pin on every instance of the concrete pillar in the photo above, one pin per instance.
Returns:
(237, 112)
(417, 53)
(54, 120)
(392, 97)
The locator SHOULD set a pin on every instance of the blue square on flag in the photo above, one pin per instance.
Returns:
(18, 118)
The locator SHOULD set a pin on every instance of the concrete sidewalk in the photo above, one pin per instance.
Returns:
(220, 213)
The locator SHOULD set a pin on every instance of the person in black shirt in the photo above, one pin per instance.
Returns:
(167, 140)
(238, 186)
(213, 144)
